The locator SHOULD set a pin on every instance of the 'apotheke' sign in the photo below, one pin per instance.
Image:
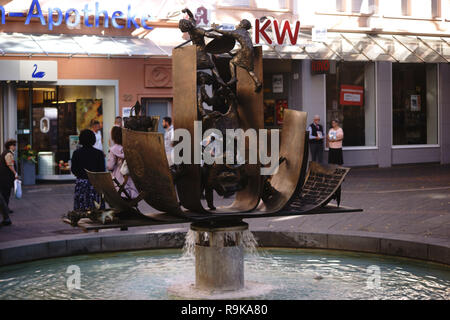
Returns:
(72, 17)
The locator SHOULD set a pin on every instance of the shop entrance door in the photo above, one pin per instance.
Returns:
(157, 107)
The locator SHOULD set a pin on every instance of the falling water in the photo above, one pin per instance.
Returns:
(248, 241)
(189, 244)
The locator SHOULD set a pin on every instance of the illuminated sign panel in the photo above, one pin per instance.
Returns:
(72, 17)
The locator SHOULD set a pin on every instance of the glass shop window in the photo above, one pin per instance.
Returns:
(50, 119)
(234, 3)
(424, 8)
(364, 6)
(414, 104)
(276, 91)
(395, 8)
(272, 4)
(350, 99)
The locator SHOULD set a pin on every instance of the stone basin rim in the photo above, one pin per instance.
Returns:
(406, 246)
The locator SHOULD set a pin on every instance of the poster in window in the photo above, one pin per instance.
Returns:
(269, 112)
(126, 112)
(277, 83)
(415, 102)
(88, 110)
(352, 95)
(73, 144)
(280, 107)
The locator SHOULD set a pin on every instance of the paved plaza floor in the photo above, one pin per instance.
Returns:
(411, 201)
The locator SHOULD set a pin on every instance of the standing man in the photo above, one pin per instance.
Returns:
(168, 139)
(95, 127)
(8, 174)
(316, 139)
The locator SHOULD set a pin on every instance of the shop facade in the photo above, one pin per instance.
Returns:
(388, 90)
(402, 117)
(53, 83)
(48, 115)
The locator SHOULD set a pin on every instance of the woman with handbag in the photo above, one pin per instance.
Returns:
(91, 159)
(117, 165)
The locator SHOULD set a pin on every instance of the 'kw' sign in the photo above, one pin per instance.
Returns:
(282, 33)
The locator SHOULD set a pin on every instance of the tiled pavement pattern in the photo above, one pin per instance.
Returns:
(406, 200)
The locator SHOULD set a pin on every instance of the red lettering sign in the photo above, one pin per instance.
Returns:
(262, 31)
(279, 32)
(320, 66)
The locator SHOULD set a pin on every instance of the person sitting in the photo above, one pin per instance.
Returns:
(116, 158)
(91, 159)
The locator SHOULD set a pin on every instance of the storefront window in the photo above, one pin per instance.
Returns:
(235, 3)
(276, 91)
(350, 99)
(23, 117)
(415, 111)
(58, 114)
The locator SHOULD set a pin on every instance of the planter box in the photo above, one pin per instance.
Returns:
(28, 173)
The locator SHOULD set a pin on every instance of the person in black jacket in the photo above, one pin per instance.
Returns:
(8, 173)
(316, 136)
(91, 159)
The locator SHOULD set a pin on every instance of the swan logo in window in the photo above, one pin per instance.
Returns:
(37, 74)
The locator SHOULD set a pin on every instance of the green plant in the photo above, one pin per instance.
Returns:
(27, 154)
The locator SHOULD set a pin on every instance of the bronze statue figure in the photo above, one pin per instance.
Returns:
(244, 56)
(140, 122)
(197, 36)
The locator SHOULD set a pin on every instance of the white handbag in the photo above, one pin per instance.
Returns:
(124, 169)
(18, 189)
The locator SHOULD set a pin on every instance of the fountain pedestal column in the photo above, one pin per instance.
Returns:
(219, 256)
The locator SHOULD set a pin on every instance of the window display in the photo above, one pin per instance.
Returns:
(50, 119)
(414, 104)
(276, 94)
(350, 99)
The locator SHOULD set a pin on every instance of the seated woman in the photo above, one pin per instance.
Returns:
(87, 158)
(115, 161)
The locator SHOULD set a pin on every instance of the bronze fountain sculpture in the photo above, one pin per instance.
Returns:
(297, 188)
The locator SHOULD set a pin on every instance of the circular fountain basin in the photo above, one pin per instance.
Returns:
(292, 274)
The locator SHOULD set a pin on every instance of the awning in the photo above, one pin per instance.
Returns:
(160, 42)
(19, 44)
(366, 47)
(342, 46)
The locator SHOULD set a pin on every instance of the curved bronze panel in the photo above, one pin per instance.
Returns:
(103, 184)
(321, 184)
(251, 115)
(184, 112)
(149, 169)
(292, 147)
